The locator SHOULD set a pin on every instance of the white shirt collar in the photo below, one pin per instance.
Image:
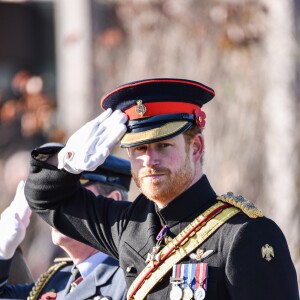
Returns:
(88, 266)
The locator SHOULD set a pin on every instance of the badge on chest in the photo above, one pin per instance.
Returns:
(189, 281)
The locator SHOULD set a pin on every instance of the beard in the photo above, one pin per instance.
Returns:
(171, 185)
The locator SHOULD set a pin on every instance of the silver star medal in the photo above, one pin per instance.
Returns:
(154, 256)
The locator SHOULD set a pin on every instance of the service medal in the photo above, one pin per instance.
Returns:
(199, 293)
(187, 293)
(176, 293)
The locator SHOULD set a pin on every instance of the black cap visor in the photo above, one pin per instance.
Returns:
(157, 128)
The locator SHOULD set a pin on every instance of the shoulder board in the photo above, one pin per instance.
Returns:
(63, 259)
(243, 204)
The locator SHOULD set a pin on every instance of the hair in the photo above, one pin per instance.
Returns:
(106, 189)
(189, 134)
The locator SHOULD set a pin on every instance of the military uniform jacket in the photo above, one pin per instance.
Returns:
(107, 280)
(127, 231)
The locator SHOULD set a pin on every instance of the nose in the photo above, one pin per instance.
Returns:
(150, 158)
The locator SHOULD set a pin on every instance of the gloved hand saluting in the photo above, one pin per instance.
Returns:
(13, 223)
(89, 146)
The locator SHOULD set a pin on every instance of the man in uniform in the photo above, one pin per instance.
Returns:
(178, 239)
(99, 276)
(20, 272)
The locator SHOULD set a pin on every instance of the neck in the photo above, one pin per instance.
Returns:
(80, 253)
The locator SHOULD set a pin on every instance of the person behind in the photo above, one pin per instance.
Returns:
(20, 272)
(178, 239)
(99, 275)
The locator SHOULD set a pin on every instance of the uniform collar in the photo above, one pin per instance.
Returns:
(187, 206)
(88, 266)
(100, 276)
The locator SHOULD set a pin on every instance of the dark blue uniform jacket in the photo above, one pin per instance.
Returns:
(107, 279)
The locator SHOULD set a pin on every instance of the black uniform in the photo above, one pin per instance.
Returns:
(127, 231)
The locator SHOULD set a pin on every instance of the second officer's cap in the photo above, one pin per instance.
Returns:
(115, 171)
(158, 108)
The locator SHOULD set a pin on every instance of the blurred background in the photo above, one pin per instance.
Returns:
(58, 58)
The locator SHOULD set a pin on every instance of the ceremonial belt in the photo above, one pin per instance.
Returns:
(183, 244)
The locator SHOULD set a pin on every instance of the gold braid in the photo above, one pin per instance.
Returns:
(242, 203)
(44, 278)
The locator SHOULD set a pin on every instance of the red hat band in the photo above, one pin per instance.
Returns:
(151, 109)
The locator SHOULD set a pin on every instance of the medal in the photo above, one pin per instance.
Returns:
(199, 293)
(154, 256)
(187, 293)
(189, 271)
(189, 281)
(176, 292)
(176, 280)
(201, 281)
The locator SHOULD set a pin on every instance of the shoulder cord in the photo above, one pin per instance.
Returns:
(43, 279)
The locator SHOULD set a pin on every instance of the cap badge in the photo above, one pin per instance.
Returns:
(200, 118)
(140, 108)
(267, 252)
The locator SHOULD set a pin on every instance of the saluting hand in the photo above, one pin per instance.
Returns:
(89, 146)
(13, 223)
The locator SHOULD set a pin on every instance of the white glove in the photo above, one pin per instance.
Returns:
(89, 146)
(13, 223)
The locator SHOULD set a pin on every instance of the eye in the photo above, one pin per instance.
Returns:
(164, 145)
(140, 148)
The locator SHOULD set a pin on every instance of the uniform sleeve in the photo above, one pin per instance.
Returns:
(59, 199)
(259, 264)
(17, 291)
(4, 272)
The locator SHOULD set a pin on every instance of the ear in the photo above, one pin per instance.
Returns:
(116, 195)
(197, 146)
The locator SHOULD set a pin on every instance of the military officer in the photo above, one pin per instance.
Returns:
(178, 239)
(20, 272)
(99, 276)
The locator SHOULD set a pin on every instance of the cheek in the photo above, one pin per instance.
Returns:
(134, 166)
(171, 159)
(178, 157)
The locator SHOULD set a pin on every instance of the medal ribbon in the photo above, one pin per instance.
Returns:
(201, 275)
(191, 275)
(176, 273)
(162, 232)
(186, 275)
(184, 272)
